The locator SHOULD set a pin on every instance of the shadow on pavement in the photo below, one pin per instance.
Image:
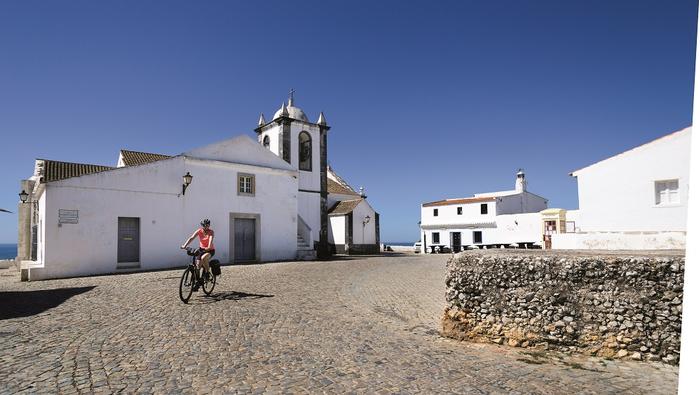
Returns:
(28, 303)
(387, 254)
(232, 295)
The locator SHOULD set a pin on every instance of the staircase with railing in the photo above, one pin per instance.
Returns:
(305, 248)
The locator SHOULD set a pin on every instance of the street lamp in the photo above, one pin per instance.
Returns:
(23, 196)
(364, 223)
(186, 181)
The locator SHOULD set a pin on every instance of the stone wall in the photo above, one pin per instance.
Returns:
(612, 305)
(363, 249)
(355, 249)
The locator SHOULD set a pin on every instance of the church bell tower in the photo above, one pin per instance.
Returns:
(303, 144)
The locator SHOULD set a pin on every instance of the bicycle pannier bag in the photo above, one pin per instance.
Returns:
(215, 267)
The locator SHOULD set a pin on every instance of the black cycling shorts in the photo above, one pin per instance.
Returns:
(202, 251)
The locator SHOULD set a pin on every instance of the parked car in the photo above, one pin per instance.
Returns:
(417, 247)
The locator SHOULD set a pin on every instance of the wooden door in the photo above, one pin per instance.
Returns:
(128, 243)
(456, 241)
(244, 239)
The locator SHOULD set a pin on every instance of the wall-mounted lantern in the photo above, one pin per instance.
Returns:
(23, 196)
(186, 181)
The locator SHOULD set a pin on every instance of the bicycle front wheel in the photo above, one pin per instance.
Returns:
(186, 285)
(209, 285)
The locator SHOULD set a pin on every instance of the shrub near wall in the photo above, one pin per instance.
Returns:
(609, 305)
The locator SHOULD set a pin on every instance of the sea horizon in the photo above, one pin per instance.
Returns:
(8, 250)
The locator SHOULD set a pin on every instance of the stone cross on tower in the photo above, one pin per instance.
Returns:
(291, 97)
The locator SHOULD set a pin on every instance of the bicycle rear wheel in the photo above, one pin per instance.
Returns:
(209, 285)
(186, 284)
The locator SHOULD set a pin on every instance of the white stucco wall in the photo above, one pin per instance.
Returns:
(309, 208)
(525, 202)
(447, 214)
(240, 149)
(273, 134)
(574, 216)
(518, 228)
(363, 234)
(618, 194)
(337, 229)
(619, 241)
(308, 180)
(150, 192)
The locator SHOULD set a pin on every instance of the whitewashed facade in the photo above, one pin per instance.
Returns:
(484, 220)
(151, 193)
(637, 199)
(265, 203)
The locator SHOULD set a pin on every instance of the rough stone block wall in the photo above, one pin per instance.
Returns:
(611, 305)
(363, 249)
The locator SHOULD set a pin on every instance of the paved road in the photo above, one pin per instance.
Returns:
(353, 325)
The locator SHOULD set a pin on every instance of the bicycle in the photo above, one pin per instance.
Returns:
(192, 275)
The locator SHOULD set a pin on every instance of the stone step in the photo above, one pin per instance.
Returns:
(306, 254)
(301, 243)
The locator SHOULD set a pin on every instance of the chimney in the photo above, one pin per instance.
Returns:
(520, 183)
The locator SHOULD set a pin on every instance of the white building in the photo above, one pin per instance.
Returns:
(484, 220)
(267, 201)
(354, 223)
(637, 199)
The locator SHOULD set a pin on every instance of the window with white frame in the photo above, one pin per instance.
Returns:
(246, 184)
(666, 192)
(436, 237)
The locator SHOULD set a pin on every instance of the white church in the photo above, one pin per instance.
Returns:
(273, 199)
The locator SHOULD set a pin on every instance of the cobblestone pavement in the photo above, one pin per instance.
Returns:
(350, 325)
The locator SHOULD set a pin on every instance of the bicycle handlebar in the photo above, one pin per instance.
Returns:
(195, 251)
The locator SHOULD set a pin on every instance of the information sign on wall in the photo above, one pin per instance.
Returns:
(67, 216)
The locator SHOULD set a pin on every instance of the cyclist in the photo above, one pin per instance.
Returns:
(206, 247)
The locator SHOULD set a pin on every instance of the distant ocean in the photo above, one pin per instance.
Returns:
(8, 251)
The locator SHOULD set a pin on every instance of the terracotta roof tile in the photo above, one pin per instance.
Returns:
(344, 207)
(133, 158)
(55, 170)
(334, 187)
(448, 202)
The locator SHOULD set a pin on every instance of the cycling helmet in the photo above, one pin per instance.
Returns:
(205, 222)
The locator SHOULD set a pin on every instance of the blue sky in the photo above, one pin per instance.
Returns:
(427, 100)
